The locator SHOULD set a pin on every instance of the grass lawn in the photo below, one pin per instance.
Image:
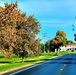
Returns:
(6, 64)
(15, 62)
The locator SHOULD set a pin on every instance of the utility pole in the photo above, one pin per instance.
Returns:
(44, 35)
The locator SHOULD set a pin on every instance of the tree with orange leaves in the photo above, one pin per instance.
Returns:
(59, 40)
(17, 32)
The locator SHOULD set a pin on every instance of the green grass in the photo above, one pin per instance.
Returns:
(66, 52)
(16, 62)
(9, 66)
(1, 56)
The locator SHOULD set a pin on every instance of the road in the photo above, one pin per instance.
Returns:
(63, 65)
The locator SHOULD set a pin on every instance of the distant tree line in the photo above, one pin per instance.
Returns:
(55, 43)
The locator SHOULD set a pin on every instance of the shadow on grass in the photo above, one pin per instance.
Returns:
(26, 61)
(3, 62)
(30, 60)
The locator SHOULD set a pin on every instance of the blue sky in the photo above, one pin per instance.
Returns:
(53, 15)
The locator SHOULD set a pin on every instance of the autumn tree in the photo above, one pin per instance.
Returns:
(8, 32)
(60, 39)
(17, 32)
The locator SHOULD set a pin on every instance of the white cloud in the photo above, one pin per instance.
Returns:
(57, 23)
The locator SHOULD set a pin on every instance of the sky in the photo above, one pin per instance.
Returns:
(53, 15)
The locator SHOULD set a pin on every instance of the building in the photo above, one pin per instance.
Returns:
(68, 47)
(63, 48)
(71, 47)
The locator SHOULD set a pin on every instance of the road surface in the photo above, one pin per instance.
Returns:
(63, 65)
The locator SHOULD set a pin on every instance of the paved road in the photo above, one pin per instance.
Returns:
(64, 65)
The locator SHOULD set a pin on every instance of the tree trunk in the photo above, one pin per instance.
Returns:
(22, 59)
(56, 54)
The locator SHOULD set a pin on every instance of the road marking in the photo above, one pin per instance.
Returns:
(61, 69)
(64, 64)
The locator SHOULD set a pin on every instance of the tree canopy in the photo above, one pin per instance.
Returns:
(60, 39)
(17, 31)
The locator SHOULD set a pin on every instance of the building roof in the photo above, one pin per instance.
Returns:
(71, 45)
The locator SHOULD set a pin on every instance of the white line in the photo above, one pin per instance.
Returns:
(64, 64)
(61, 69)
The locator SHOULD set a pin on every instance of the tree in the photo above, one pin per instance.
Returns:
(17, 32)
(8, 20)
(47, 46)
(62, 36)
(60, 39)
(41, 47)
(69, 42)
